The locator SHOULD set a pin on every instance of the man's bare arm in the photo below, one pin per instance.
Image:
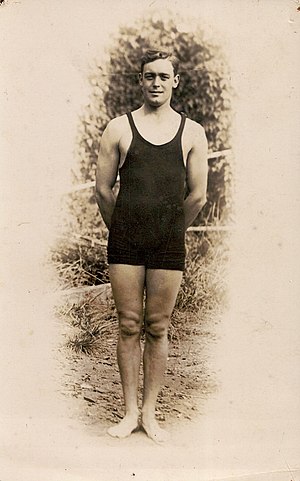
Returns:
(107, 171)
(197, 169)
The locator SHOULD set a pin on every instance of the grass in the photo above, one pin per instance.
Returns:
(204, 280)
(79, 255)
(91, 322)
(80, 260)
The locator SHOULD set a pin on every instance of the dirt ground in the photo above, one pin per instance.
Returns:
(93, 379)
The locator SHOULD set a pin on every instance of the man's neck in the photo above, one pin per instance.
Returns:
(161, 112)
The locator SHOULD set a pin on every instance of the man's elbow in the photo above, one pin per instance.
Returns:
(101, 193)
(200, 201)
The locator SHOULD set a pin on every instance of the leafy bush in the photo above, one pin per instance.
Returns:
(203, 94)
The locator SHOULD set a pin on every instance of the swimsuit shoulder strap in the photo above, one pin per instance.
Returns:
(132, 124)
(182, 124)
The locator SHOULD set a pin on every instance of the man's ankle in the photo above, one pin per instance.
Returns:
(148, 415)
(132, 413)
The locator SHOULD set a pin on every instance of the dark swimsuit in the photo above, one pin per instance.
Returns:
(147, 225)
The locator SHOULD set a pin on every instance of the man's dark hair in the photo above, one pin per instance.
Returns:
(152, 55)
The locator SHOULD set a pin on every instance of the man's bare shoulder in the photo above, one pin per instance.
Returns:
(194, 127)
(195, 132)
(116, 127)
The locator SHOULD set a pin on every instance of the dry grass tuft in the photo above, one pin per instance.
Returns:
(80, 260)
(79, 255)
(202, 295)
(92, 322)
(204, 280)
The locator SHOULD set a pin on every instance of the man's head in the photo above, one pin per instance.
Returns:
(158, 77)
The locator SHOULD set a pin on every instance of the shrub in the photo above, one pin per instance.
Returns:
(203, 94)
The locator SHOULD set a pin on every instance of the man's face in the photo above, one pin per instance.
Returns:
(157, 82)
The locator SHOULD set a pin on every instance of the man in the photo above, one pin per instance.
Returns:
(158, 154)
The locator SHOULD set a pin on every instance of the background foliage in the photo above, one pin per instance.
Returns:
(203, 94)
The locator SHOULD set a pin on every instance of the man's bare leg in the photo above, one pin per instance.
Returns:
(162, 288)
(128, 285)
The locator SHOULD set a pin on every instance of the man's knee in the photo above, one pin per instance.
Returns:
(130, 324)
(156, 326)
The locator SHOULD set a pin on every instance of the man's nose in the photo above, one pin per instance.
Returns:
(156, 81)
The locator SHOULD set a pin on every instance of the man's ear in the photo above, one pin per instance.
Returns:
(176, 81)
(140, 78)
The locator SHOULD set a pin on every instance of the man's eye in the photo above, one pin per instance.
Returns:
(164, 77)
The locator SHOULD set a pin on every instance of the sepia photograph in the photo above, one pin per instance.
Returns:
(150, 244)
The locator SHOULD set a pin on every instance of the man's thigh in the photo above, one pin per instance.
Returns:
(127, 284)
(162, 287)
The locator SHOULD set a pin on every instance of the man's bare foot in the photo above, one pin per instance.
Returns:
(154, 431)
(125, 427)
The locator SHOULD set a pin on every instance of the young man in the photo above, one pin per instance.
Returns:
(158, 153)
